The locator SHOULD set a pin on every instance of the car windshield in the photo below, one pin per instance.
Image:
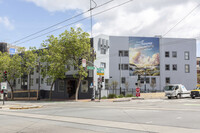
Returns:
(198, 88)
(170, 88)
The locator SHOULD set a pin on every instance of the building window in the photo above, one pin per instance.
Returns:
(167, 54)
(31, 81)
(48, 82)
(174, 54)
(61, 84)
(42, 81)
(187, 68)
(153, 80)
(125, 66)
(142, 80)
(120, 53)
(120, 66)
(174, 67)
(126, 53)
(123, 53)
(147, 80)
(187, 57)
(37, 80)
(103, 51)
(167, 80)
(167, 67)
(18, 81)
(103, 65)
(123, 80)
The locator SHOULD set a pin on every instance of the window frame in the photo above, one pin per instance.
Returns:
(166, 67)
(166, 54)
(188, 68)
(188, 56)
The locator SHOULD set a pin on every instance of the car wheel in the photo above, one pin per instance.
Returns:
(193, 97)
(169, 97)
(179, 96)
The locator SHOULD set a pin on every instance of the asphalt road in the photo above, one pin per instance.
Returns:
(137, 116)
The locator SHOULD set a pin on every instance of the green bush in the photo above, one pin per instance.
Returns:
(120, 96)
(112, 96)
(104, 97)
(129, 95)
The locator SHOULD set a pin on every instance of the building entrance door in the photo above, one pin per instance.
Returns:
(71, 88)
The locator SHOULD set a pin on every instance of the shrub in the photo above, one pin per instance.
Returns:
(120, 96)
(129, 95)
(112, 96)
(104, 97)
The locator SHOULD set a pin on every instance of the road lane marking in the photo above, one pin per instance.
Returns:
(106, 123)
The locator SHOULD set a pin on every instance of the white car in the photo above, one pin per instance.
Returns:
(176, 91)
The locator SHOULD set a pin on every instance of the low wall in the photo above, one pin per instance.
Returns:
(152, 95)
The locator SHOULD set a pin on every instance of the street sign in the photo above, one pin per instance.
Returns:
(84, 62)
(3, 85)
(90, 67)
(100, 71)
(137, 92)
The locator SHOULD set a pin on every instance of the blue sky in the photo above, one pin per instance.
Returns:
(19, 18)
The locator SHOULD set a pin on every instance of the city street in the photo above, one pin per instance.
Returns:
(138, 116)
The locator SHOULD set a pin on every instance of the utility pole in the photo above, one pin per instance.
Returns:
(120, 73)
(145, 79)
(38, 91)
(91, 16)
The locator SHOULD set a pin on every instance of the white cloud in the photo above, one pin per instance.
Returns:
(6, 22)
(137, 18)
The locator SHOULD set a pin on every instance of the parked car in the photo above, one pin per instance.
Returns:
(195, 92)
(176, 91)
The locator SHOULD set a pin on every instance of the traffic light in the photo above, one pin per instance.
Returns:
(5, 75)
(79, 61)
(102, 80)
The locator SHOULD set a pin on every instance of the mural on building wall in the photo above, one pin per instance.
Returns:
(144, 56)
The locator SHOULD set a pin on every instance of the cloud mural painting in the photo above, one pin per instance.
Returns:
(144, 56)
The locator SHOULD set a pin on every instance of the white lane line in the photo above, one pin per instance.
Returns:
(106, 123)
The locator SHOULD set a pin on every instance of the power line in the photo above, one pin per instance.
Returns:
(78, 21)
(63, 21)
(182, 19)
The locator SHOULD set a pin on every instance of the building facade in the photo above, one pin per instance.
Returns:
(147, 62)
(155, 61)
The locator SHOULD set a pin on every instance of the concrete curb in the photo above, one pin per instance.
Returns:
(20, 107)
(25, 107)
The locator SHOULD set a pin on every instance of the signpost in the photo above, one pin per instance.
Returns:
(3, 89)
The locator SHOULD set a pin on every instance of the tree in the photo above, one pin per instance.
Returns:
(114, 85)
(12, 66)
(14, 71)
(28, 63)
(54, 60)
(76, 44)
